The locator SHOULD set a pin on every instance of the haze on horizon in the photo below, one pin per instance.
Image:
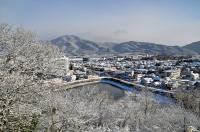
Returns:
(171, 22)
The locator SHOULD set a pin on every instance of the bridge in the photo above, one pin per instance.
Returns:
(122, 84)
(133, 86)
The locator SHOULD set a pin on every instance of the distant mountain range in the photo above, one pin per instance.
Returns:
(73, 45)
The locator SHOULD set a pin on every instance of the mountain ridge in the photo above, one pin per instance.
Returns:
(74, 45)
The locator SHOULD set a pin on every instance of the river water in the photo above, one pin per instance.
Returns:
(108, 89)
(116, 93)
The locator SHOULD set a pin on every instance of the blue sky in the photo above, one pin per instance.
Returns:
(172, 22)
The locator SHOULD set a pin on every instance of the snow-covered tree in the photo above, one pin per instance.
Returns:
(24, 64)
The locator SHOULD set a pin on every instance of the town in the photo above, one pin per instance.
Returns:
(169, 73)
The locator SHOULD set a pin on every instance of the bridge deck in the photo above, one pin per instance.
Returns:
(139, 85)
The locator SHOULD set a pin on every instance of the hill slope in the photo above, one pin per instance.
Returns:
(74, 45)
(194, 47)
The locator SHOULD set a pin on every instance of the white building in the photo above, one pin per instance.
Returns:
(173, 74)
(138, 77)
(146, 80)
(194, 76)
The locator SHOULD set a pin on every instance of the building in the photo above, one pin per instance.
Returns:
(138, 77)
(86, 59)
(146, 80)
(173, 74)
(194, 76)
